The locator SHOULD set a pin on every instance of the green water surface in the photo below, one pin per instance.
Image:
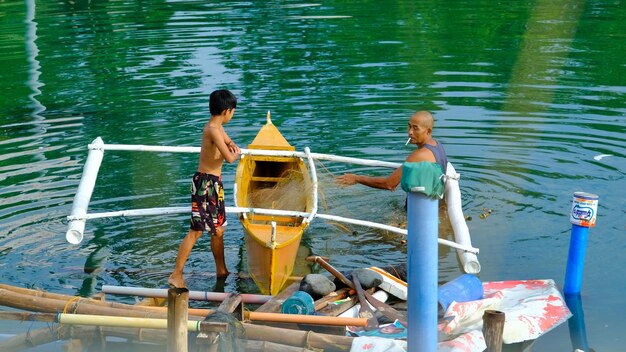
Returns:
(525, 95)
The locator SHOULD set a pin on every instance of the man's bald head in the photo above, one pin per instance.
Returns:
(424, 119)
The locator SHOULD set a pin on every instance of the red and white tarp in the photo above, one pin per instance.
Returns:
(531, 307)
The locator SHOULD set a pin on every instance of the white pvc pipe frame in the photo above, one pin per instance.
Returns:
(79, 215)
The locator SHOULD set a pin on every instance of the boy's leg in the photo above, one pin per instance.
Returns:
(176, 278)
(217, 247)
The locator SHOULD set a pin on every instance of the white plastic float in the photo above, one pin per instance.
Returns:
(76, 221)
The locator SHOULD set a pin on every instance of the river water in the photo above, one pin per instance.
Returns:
(529, 100)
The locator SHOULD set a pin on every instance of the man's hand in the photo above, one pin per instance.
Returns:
(346, 180)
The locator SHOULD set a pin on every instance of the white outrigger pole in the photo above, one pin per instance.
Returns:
(76, 221)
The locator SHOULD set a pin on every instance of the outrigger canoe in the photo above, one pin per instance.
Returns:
(276, 197)
(272, 182)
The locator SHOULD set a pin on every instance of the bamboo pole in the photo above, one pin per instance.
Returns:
(32, 338)
(493, 327)
(76, 305)
(43, 336)
(22, 316)
(38, 293)
(252, 332)
(177, 304)
(305, 319)
(248, 298)
(38, 337)
(196, 312)
(298, 338)
(265, 346)
(114, 321)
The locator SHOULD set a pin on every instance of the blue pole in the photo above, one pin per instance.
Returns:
(422, 247)
(576, 259)
(582, 216)
(577, 329)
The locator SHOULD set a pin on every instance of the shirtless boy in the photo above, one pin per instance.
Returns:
(207, 194)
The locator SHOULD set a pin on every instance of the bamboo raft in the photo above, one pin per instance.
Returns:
(84, 322)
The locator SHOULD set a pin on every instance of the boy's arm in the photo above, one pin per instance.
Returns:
(230, 144)
(218, 138)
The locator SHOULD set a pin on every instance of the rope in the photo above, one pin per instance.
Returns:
(70, 302)
(307, 344)
(453, 177)
(397, 274)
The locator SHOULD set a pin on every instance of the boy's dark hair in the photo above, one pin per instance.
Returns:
(221, 100)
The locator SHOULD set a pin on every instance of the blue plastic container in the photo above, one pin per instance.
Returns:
(299, 303)
(464, 288)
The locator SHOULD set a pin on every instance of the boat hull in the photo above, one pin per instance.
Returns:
(270, 268)
(270, 182)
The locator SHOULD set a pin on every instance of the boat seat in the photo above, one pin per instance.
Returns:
(280, 220)
(267, 179)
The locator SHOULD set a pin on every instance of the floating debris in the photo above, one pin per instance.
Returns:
(296, 6)
(601, 156)
(316, 17)
(486, 213)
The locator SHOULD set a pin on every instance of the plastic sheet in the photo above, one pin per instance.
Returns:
(532, 308)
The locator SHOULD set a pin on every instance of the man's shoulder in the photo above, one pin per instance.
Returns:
(420, 154)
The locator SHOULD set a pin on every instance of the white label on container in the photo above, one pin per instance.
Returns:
(584, 209)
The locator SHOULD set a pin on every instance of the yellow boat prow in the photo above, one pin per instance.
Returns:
(269, 137)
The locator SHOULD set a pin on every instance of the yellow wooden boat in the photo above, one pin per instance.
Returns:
(272, 182)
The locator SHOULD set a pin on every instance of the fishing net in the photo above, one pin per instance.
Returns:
(290, 193)
(388, 208)
(356, 202)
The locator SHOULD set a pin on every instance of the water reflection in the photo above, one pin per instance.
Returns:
(31, 52)
(577, 329)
